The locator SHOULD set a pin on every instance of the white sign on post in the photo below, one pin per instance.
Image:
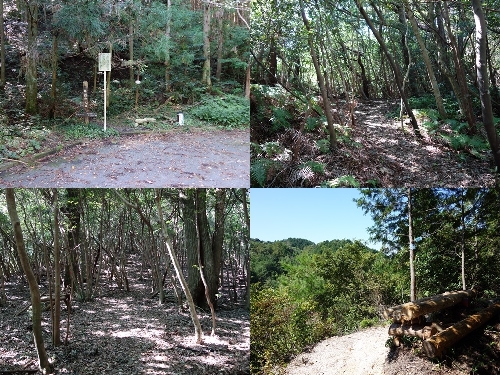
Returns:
(105, 66)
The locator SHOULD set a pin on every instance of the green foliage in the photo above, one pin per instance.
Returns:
(309, 293)
(229, 111)
(259, 170)
(324, 146)
(315, 166)
(280, 328)
(280, 119)
(342, 181)
(312, 124)
(421, 102)
(79, 130)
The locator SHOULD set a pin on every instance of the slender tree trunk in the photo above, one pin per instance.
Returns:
(56, 334)
(462, 240)
(34, 291)
(428, 64)
(394, 66)
(220, 42)
(482, 80)
(178, 271)
(131, 52)
(108, 77)
(218, 236)
(463, 93)
(2, 48)
(412, 248)
(206, 80)
(321, 80)
(53, 91)
(247, 236)
(167, 52)
(32, 59)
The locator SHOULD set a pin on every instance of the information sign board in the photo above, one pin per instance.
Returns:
(105, 62)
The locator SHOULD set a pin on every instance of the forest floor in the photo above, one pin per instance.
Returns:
(377, 152)
(177, 158)
(365, 353)
(123, 333)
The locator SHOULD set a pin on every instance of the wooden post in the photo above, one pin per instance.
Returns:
(86, 101)
(435, 345)
(413, 310)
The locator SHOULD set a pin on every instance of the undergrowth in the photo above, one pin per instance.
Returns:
(77, 130)
(228, 111)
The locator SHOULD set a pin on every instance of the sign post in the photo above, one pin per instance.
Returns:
(105, 66)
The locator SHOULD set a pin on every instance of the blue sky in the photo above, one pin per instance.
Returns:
(313, 214)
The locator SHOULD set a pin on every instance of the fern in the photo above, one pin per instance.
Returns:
(281, 119)
(259, 170)
(316, 167)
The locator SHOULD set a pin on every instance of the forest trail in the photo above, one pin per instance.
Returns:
(360, 353)
(122, 332)
(177, 159)
(397, 158)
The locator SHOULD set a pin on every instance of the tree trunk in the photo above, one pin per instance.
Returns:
(207, 254)
(2, 48)
(206, 80)
(131, 52)
(412, 248)
(463, 93)
(107, 76)
(413, 310)
(56, 335)
(178, 271)
(167, 52)
(394, 66)
(428, 64)
(34, 291)
(437, 344)
(32, 60)
(218, 236)
(321, 80)
(53, 91)
(191, 242)
(203, 278)
(482, 80)
(219, 14)
(247, 236)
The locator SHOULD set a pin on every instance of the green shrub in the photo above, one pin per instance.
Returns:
(229, 111)
(280, 328)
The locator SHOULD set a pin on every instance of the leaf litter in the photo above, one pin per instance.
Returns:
(123, 332)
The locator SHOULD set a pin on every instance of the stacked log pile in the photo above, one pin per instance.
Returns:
(436, 340)
(412, 310)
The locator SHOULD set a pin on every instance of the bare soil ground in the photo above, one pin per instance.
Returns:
(376, 151)
(124, 333)
(177, 159)
(365, 353)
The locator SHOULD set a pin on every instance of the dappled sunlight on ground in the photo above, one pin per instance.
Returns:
(128, 333)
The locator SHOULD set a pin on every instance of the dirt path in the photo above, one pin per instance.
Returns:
(398, 158)
(174, 159)
(360, 353)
